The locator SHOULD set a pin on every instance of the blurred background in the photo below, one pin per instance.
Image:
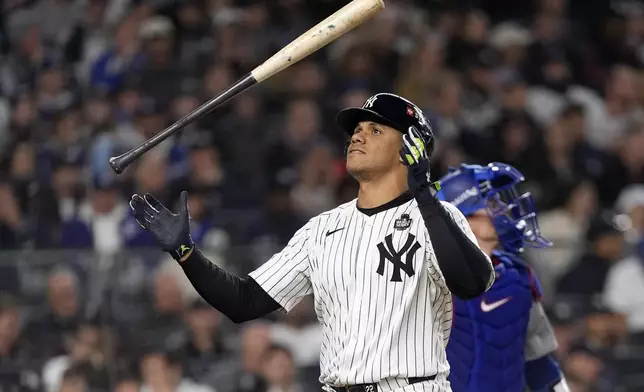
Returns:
(87, 303)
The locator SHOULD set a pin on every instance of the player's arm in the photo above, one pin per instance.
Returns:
(468, 272)
(281, 282)
(239, 299)
(542, 370)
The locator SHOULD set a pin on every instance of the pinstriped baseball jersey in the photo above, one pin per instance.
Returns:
(383, 304)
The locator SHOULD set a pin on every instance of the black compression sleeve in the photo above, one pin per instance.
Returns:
(466, 269)
(239, 299)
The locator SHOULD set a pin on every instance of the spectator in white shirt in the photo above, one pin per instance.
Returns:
(624, 289)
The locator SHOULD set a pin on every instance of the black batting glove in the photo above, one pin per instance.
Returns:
(414, 155)
(170, 230)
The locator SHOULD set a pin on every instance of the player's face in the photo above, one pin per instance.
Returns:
(374, 148)
(484, 230)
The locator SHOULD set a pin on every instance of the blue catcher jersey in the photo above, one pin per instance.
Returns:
(487, 347)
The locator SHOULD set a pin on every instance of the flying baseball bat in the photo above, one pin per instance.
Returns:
(330, 29)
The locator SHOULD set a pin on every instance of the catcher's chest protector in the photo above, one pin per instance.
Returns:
(486, 347)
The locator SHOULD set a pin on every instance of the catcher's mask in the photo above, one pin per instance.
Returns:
(494, 188)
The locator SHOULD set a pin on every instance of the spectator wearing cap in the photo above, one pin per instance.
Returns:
(299, 134)
(315, 191)
(68, 142)
(57, 199)
(479, 107)
(16, 350)
(624, 289)
(624, 165)
(587, 277)
(22, 172)
(444, 94)
(205, 231)
(85, 351)
(556, 173)
(110, 69)
(619, 44)
(511, 40)
(470, 43)
(54, 92)
(270, 229)
(631, 203)
(240, 158)
(102, 215)
(554, 86)
(22, 123)
(566, 223)
(605, 330)
(161, 72)
(89, 37)
(254, 340)
(72, 380)
(515, 138)
(162, 325)
(151, 118)
(586, 369)
(193, 35)
(27, 57)
(12, 228)
(98, 112)
(587, 159)
(62, 315)
(420, 74)
(205, 346)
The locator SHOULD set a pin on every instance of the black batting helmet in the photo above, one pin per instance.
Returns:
(391, 110)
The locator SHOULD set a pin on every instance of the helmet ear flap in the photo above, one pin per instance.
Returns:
(346, 146)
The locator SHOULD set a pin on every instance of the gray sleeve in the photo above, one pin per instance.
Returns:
(540, 339)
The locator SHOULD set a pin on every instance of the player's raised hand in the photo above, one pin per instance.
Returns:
(170, 230)
(414, 155)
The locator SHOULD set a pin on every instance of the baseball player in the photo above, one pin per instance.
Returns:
(501, 341)
(382, 267)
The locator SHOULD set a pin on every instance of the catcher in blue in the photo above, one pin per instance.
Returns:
(501, 341)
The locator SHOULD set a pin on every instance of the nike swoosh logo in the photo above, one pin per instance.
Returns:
(488, 307)
(328, 233)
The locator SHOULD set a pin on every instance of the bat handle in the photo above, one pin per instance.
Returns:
(122, 161)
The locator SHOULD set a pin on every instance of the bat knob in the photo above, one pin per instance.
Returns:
(117, 165)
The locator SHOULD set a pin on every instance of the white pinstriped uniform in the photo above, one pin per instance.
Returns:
(375, 330)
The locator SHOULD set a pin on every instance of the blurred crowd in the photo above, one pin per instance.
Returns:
(553, 87)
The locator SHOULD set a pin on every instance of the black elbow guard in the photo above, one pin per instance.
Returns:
(478, 285)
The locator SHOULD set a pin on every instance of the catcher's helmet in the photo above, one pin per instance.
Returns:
(494, 188)
(391, 110)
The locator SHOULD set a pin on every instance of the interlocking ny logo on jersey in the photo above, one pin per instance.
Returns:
(407, 252)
